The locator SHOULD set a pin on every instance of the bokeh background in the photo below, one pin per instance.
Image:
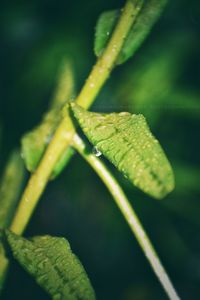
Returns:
(162, 82)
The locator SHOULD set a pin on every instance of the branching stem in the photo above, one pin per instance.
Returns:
(65, 131)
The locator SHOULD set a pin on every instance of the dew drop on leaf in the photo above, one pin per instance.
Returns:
(96, 152)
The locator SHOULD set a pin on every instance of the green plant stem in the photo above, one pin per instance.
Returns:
(106, 62)
(129, 214)
(66, 129)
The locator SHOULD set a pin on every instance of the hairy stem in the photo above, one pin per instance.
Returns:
(129, 214)
(66, 129)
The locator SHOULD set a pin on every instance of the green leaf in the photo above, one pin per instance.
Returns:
(34, 143)
(127, 142)
(145, 20)
(51, 262)
(10, 188)
(104, 29)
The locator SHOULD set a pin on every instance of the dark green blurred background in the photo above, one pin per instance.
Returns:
(162, 82)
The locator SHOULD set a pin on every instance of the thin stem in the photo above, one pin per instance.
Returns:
(130, 216)
(66, 129)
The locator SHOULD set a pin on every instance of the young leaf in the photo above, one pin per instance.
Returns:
(10, 187)
(147, 16)
(105, 25)
(51, 262)
(127, 142)
(35, 142)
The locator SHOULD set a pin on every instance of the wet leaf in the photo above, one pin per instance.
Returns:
(127, 142)
(145, 20)
(35, 142)
(53, 265)
(105, 25)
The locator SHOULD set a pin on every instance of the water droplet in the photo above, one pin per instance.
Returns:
(101, 70)
(108, 32)
(122, 114)
(96, 152)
